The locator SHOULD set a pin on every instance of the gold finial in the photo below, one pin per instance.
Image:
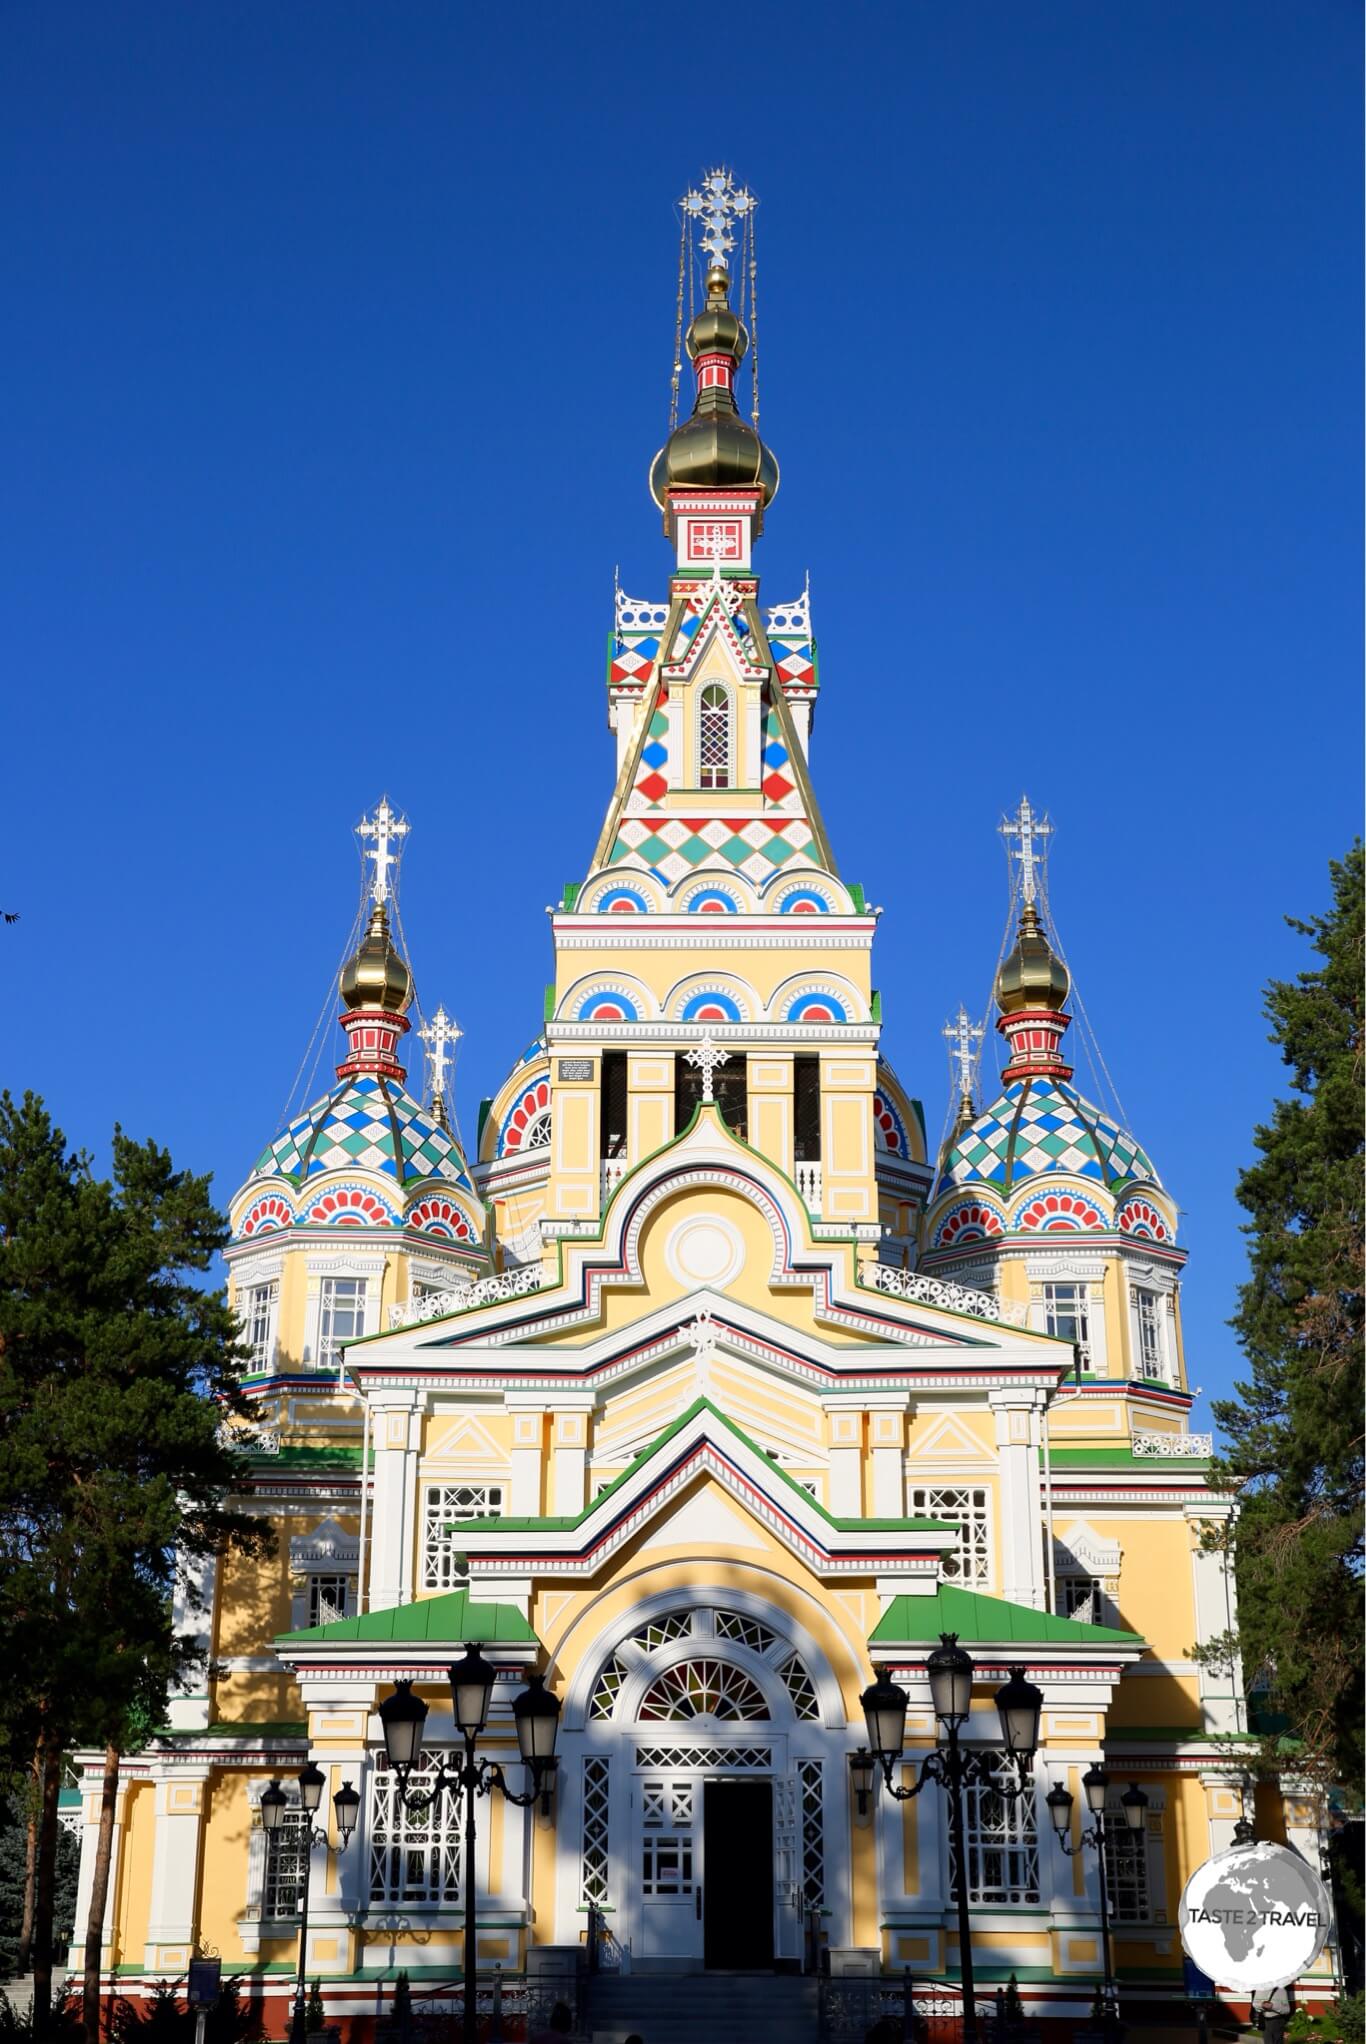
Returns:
(376, 977)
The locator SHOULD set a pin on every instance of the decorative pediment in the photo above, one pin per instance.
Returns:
(1081, 1551)
(328, 1546)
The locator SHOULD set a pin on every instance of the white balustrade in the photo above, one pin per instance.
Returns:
(922, 1290)
(1196, 1447)
(489, 1291)
(808, 1177)
(612, 1171)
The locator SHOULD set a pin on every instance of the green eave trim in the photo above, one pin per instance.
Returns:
(275, 1728)
(1122, 1458)
(661, 1441)
(1183, 1735)
(456, 1616)
(309, 1458)
(917, 1620)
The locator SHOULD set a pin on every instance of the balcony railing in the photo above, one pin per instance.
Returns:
(1194, 1446)
(930, 1291)
(611, 1173)
(489, 1291)
(808, 1177)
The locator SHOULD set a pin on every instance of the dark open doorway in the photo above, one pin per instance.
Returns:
(737, 1911)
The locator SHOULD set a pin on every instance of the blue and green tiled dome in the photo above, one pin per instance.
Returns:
(365, 1123)
(1040, 1127)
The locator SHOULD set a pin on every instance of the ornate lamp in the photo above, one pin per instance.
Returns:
(1020, 1704)
(472, 1681)
(884, 1710)
(346, 1804)
(402, 1717)
(950, 1671)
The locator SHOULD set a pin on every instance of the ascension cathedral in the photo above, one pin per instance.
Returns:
(703, 1386)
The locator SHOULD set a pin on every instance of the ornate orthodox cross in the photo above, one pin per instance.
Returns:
(1033, 832)
(719, 204)
(706, 1057)
(438, 1039)
(963, 1036)
(386, 828)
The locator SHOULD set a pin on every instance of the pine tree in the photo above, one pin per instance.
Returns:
(1295, 1429)
(116, 1373)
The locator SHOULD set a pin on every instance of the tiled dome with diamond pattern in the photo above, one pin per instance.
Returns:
(1041, 1126)
(367, 1124)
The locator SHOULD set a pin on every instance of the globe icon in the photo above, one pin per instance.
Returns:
(1256, 1916)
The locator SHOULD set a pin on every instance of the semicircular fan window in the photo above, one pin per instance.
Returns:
(699, 1689)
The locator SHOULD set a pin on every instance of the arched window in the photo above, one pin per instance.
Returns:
(713, 737)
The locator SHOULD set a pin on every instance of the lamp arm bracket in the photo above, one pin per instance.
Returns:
(491, 1776)
(931, 1769)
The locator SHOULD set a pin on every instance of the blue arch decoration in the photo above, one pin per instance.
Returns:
(615, 897)
(804, 1003)
(803, 901)
(708, 900)
(608, 1007)
(713, 998)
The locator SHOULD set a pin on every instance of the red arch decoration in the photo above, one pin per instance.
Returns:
(436, 1215)
(270, 1211)
(351, 1206)
(1060, 1213)
(1141, 1217)
(971, 1222)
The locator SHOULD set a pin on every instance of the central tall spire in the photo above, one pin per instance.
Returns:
(715, 449)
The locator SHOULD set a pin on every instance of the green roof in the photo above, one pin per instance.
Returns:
(1121, 1458)
(250, 1728)
(568, 1523)
(974, 1617)
(456, 1616)
(310, 1458)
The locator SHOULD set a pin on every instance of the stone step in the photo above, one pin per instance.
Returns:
(722, 2008)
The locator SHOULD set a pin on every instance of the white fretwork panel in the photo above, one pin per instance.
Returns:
(967, 1506)
(414, 1854)
(445, 1507)
(1002, 1843)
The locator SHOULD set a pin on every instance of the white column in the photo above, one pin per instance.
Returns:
(192, 1611)
(393, 1520)
(571, 1460)
(1216, 1612)
(524, 1487)
(92, 1790)
(176, 1840)
(887, 1442)
(846, 1461)
(1017, 1453)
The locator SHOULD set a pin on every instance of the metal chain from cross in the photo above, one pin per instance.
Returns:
(717, 207)
(1033, 832)
(963, 1037)
(386, 828)
(705, 1057)
(438, 1039)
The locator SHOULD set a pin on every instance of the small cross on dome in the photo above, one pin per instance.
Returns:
(387, 829)
(706, 1057)
(438, 1039)
(717, 207)
(963, 1037)
(1033, 832)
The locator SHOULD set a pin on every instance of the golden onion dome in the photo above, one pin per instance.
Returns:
(376, 977)
(715, 448)
(1030, 976)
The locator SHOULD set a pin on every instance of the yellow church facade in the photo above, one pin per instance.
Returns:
(703, 1388)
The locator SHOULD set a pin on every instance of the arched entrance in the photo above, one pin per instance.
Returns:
(698, 1755)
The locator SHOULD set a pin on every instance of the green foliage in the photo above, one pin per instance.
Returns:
(1342, 2022)
(316, 2017)
(164, 2017)
(13, 1860)
(401, 2008)
(63, 2025)
(1294, 1431)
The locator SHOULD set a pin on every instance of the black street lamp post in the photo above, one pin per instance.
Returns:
(536, 1714)
(1019, 1702)
(1095, 1782)
(274, 1803)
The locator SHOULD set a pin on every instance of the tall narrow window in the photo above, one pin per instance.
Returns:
(330, 1598)
(284, 1879)
(1066, 1315)
(414, 1853)
(341, 1317)
(612, 1104)
(730, 1089)
(1002, 1842)
(1151, 1359)
(713, 737)
(806, 1109)
(259, 1306)
(1126, 1857)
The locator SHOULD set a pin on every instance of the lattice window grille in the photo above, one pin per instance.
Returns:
(286, 1852)
(329, 1598)
(966, 1507)
(1067, 1315)
(537, 1135)
(1126, 1868)
(746, 1632)
(1002, 1842)
(414, 1854)
(703, 1688)
(595, 1860)
(608, 1688)
(800, 1688)
(258, 1322)
(1082, 1597)
(445, 1507)
(713, 737)
(811, 1789)
(705, 1759)
(660, 1632)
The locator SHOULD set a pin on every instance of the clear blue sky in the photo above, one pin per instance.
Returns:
(337, 346)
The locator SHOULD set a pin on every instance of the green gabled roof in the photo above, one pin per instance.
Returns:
(456, 1616)
(661, 1441)
(308, 1458)
(1121, 1458)
(975, 1617)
